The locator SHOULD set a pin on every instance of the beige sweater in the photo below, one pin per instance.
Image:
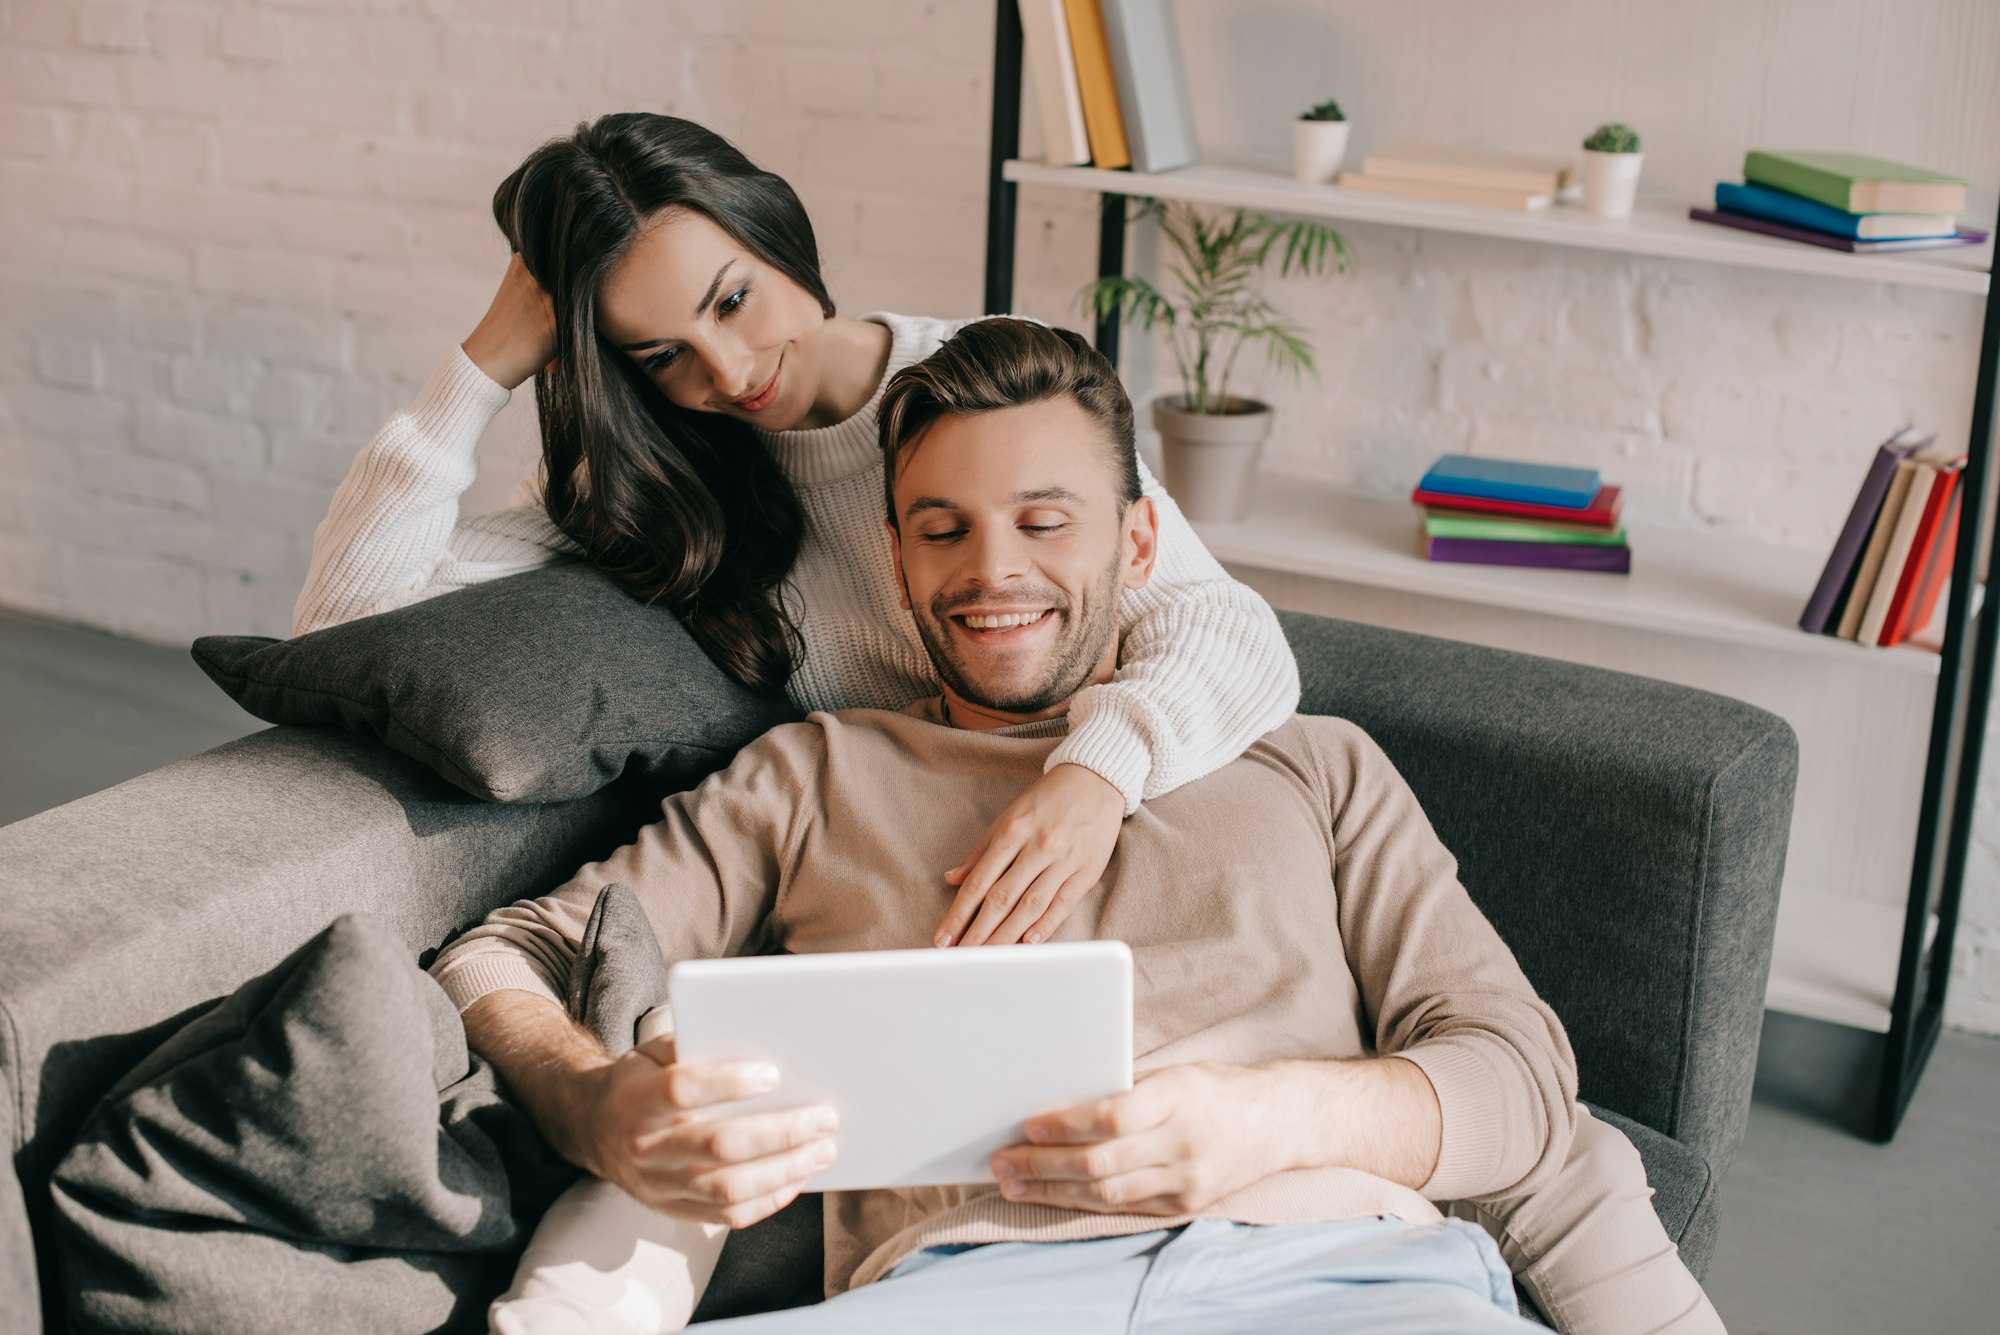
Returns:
(1296, 904)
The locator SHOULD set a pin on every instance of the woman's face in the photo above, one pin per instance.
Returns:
(716, 328)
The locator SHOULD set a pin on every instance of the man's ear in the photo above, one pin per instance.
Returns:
(896, 558)
(1142, 543)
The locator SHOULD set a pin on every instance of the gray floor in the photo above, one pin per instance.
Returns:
(1822, 1233)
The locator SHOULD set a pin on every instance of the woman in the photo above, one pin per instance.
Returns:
(709, 440)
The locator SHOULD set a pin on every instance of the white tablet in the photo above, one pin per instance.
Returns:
(935, 1059)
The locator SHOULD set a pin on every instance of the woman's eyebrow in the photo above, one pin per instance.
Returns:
(714, 286)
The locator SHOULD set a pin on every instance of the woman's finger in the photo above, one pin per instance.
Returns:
(1033, 904)
(1006, 893)
(1072, 893)
(980, 869)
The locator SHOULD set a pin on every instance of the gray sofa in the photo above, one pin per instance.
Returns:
(1626, 837)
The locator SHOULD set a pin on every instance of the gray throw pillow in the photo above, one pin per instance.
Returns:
(541, 687)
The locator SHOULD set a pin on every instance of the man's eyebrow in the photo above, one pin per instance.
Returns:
(1059, 495)
(714, 286)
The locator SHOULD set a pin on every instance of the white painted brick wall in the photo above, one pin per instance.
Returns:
(235, 234)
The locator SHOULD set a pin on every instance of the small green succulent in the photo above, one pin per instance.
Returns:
(1328, 110)
(1615, 137)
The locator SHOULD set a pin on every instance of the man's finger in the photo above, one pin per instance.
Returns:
(1080, 1163)
(1006, 893)
(700, 1084)
(1072, 893)
(742, 1183)
(1033, 904)
(1120, 1115)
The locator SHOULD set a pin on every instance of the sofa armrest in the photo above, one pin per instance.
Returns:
(131, 909)
(1626, 836)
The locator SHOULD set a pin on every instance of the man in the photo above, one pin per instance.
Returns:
(1330, 1035)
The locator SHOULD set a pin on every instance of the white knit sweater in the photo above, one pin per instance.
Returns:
(1204, 668)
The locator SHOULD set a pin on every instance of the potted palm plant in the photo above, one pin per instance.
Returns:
(1210, 438)
(1319, 142)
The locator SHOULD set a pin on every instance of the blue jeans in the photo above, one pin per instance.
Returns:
(1210, 1277)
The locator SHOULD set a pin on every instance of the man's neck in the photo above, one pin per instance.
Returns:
(962, 713)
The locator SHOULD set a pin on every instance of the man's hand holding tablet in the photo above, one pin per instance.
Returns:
(655, 1135)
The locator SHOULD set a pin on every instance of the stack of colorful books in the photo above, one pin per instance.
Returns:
(1844, 201)
(1497, 512)
(1893, 558)
(1523, 181)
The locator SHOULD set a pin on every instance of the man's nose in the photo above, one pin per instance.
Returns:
(994, 554)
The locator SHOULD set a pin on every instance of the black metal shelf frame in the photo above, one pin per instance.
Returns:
(1965, 670)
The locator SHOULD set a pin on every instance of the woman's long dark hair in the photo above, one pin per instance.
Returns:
(682, 508)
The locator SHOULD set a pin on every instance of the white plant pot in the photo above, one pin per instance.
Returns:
(1210, 459)
(1317, 148)
(1610, 180)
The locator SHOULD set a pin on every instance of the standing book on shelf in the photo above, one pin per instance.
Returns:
(1840, 566)
(1052, 69)
(1935, 576)
(1909, 516)
(1924, 547)
(1877, 547)
(1152, 84)
(1096, 84)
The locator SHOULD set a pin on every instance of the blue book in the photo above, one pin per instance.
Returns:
(1796, 211)
(1505, 480)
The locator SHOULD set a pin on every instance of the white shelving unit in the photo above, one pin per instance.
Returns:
(1659, 225)
(1836, 955)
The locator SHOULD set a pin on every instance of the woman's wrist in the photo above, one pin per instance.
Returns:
(490, 354)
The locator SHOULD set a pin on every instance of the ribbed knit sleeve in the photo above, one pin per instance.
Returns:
(392, 534)
(1204, 670)
(1442, 988)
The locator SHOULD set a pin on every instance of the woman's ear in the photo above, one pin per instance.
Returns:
(1142, 543)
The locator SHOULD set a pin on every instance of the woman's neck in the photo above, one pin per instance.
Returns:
(853, 356)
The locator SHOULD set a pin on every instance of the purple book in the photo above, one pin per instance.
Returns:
(1827, 595)
(1967, 236)
(1543, 555)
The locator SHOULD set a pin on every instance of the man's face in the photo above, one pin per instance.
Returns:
(1013, 553)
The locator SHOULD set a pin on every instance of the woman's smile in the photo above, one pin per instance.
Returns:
(766, 396)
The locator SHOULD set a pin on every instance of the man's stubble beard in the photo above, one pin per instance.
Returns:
(1072, 663)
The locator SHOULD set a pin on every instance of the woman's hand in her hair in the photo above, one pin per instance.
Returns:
(1041, 855)
(517, 336)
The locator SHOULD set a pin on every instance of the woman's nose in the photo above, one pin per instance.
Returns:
(730, 370)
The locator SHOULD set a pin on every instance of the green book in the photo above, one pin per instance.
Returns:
(1857, 183)
(1508, 530)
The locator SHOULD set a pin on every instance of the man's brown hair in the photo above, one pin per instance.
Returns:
(1007, 363)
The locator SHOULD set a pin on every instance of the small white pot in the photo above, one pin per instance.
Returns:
(1610, 180)
(1210, 459)
(1317, 148)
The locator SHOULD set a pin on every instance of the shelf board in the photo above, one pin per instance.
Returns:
(1701, 584)
(1659, 225)
(1835, 959)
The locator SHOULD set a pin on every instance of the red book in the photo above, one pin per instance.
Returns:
(1602, 512)
(1923, 543)
(1907, 617)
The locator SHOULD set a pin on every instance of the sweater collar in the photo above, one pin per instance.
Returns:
(828, 454)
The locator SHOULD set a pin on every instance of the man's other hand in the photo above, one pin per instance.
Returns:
(1180, 1140)
(648, 1136)
(1040, 856)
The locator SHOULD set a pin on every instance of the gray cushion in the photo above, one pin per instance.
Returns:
(538, 688)
(324, 1130)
